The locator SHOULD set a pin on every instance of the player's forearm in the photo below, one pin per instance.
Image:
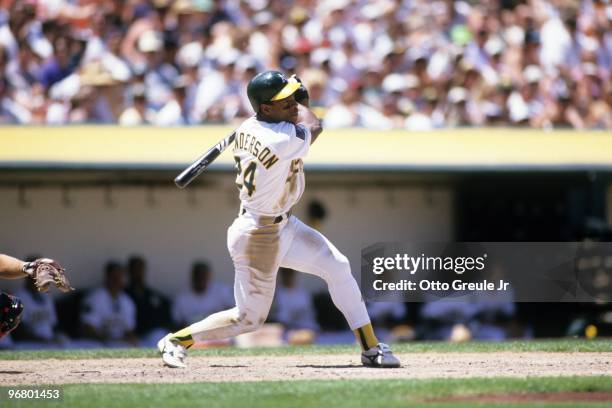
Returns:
(11, 268)
(310, 120)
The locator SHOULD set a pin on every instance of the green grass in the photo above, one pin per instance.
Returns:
(336, 394)
(565, 345)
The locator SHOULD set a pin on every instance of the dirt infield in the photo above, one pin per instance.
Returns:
(303, 367)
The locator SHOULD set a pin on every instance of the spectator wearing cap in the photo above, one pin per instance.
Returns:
(174, 112)
(136, 113)
(396, 106)
(461, 110)
(218, 95)
(192, 16)
(492, 72)
(293, 34)
(105, 91)
(58, 67)
(426, 116)
(526, 104)
(159, 74)
(494, 105)
(530, 91)
(107, 50)
(350, 42)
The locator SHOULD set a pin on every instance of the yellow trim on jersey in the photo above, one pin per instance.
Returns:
(288, 90)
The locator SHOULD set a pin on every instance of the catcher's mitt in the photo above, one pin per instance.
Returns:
(45, 272)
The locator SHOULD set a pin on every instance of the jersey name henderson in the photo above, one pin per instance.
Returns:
(269, 164)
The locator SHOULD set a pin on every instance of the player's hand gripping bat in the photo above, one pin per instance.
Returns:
(197, 167)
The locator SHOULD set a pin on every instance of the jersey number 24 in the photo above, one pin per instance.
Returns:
(246, 179)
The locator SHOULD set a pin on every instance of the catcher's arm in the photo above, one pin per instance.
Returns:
(11, 268)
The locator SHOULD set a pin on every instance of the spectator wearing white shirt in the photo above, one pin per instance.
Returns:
(203, 298)
(173, 113)
(38, 321)
(293, 305)
(137, 113)
(218, 94)
(109, 315)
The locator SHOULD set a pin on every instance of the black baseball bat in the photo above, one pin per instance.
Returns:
(197, 167)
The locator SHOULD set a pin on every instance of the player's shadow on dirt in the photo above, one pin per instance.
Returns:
(328, 366)
(13, 372)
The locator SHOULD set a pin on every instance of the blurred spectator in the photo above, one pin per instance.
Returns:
(541, 63)
(109, 315)
(447, 320)
(203, 298)
(473, 315)
(136, 113)
(387, 314)
(152, 308)
(293, 305)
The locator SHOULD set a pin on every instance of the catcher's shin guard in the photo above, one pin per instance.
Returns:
(11, 309)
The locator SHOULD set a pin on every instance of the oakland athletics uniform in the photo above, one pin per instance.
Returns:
(265, 236)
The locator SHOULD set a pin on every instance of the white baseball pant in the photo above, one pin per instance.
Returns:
(258, 247)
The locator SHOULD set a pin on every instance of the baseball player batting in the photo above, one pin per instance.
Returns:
(268, 149)
(44, 271)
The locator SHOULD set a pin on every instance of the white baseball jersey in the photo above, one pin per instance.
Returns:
(269, 164)
(38, 313)
(113, 316)
(189, 305)
(294, 308)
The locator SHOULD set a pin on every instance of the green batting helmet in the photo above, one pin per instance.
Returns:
(270, 86)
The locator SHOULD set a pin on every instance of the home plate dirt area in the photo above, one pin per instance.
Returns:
(303, 367)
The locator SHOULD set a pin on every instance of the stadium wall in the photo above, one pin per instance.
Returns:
(86, 226)
(112, 147)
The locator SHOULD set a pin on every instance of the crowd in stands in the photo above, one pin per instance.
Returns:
(126, 311)
(380, 64)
